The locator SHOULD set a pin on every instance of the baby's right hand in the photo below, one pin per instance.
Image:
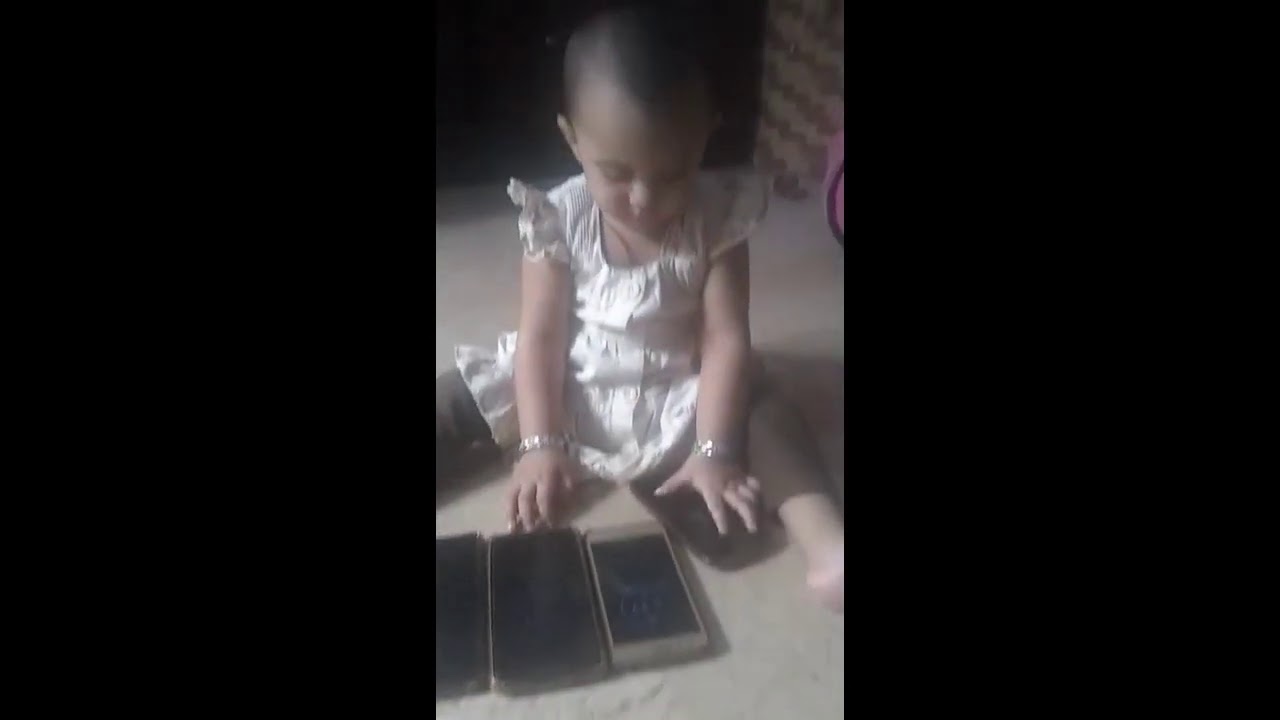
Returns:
(542, 480)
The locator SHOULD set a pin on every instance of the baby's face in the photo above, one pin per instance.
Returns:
(639, 169)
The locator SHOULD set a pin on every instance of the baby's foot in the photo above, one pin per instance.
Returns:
(826, 577)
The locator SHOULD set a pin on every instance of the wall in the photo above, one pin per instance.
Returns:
(802, 101)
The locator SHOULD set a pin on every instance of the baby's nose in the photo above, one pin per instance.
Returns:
(641, 196)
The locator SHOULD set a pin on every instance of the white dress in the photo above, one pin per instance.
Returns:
(631, 383)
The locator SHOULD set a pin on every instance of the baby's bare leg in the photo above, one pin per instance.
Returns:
(783, 456)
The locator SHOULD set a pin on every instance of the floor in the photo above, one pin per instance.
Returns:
(779, 655)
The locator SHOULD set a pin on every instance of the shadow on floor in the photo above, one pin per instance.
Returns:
(684, 513)
(587, 495)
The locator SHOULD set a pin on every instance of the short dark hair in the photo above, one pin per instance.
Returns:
(649, 51)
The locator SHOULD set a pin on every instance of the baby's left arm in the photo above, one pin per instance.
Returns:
(726, 350)
(722, 395)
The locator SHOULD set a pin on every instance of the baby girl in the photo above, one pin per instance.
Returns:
(633, 354)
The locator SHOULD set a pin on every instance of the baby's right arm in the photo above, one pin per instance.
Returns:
(542, 477)
(542, 347)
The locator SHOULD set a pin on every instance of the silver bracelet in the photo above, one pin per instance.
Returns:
(542, 442)
(714, 451)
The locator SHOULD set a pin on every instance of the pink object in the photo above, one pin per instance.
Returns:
(834, 185)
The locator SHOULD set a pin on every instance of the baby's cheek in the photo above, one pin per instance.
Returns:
(677, 195)
(616, 204)
(674, 203)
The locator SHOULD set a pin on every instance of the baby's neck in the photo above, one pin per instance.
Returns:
(628, 248)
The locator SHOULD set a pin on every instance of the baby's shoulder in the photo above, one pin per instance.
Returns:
(722, 192)
(727, 207)
(552, 222)
(575, 206)
(572, 200)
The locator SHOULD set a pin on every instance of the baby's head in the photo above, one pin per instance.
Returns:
(637, 114)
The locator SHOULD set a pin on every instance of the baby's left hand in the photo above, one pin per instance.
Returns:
(720, 484)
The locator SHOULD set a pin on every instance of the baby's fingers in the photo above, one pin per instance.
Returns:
(745, 509)
(676, 481)
(528, 510)
(511, 506)
(546, 496)
(569, 479)
(718, 514)
(746, 493)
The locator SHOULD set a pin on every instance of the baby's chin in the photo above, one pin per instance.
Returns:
(649, 227)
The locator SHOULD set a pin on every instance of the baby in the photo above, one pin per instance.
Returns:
(633, 355)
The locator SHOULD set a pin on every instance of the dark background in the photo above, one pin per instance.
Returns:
(498, 68)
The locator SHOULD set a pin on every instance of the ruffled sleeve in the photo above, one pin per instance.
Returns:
(743, 202)
(541, 225)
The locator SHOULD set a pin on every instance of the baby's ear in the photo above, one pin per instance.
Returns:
(569, 137)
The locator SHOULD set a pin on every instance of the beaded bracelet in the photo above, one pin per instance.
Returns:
(542, 442)
(714, 451)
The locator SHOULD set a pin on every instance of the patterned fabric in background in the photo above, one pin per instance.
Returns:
(802, 102)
